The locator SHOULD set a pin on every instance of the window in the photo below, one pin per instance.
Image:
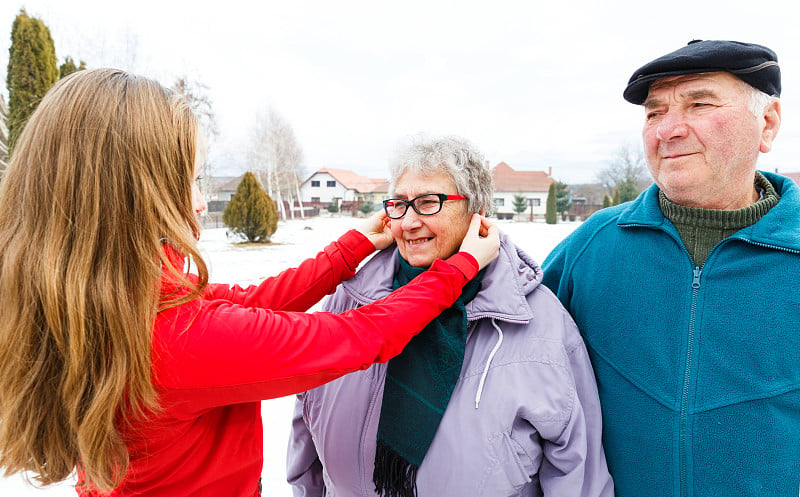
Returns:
(315, 200)
(536, 201)
(331, 184)
(314, 182)
(499, 202)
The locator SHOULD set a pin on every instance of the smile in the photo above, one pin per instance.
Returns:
(417, 241)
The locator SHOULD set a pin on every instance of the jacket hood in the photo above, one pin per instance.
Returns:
(779, 228)
(506, 283)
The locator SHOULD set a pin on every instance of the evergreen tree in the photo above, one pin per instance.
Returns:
(617, 196)
(32, 70)
(628, 190)
(333, 208)
(69, 67)
(551, 213)
(519, 204)
(251, 213)
(607, 202)
(563, 203)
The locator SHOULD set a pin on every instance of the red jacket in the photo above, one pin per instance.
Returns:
(217, 357)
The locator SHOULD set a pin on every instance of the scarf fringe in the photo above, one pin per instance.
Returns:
(393, 476)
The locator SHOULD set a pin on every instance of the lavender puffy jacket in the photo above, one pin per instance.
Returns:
(523, 420)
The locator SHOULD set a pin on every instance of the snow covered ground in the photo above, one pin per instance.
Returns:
(293, 242)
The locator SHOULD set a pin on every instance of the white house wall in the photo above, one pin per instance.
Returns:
(508, 202)
(324, 192)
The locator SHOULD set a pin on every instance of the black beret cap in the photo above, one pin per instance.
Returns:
(754, 64)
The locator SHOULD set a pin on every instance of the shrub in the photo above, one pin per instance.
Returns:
(251, 213)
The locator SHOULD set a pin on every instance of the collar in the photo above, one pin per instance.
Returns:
(779, 228)
(506, 283)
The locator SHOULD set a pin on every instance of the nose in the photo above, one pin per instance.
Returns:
(411, 220)
(672, 125)
(198, 200)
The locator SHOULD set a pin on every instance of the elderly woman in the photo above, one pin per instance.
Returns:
(495, 397)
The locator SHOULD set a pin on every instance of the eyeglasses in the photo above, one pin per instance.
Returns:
(424, 205)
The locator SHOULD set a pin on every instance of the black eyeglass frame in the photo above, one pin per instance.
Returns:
(413, 203)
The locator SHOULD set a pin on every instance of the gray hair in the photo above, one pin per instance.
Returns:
(453, 156)
(758, 100)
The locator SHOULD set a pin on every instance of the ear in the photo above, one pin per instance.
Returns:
(772, 123)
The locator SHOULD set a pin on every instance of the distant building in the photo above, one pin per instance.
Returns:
(587, 198)
(222, 188)
(342, 187)
(508, 183)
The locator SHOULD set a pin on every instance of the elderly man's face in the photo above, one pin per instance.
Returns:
(702, 141)
(423, 239)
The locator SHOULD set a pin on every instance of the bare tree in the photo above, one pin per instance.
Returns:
(196, 94)
(626, 172)
(276, 155)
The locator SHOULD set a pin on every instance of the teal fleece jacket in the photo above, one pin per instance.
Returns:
(698, 368)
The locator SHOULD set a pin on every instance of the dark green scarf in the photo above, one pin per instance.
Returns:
(418, 386)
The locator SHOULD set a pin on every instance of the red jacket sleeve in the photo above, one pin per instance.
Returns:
(213, 353)
(300, 288)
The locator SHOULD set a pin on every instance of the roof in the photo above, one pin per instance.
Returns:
(225, 183)
(507, 179)
(354, 181)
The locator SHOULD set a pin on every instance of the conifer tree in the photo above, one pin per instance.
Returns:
(606, 201)
(551, 213)
(563, 203)
(519, 204)
(251, 213)
(616, 200)
(69, 67)
(32, 70)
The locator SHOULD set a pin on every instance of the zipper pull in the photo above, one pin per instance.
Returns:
(696, 277)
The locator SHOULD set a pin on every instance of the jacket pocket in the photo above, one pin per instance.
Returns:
(514, 469)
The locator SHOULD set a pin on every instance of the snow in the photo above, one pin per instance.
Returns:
(293, 242)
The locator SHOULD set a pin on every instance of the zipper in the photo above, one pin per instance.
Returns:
(697, 272)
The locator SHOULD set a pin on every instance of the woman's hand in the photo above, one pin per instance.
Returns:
(482, 240)
(376, 229)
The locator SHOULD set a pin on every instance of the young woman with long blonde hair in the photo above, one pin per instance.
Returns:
(118, 362)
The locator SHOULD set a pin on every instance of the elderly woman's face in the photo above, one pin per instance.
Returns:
(423, 239)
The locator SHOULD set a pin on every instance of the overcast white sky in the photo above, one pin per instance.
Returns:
(536, 84)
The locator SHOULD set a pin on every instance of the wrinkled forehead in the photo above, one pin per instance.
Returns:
(710, 82)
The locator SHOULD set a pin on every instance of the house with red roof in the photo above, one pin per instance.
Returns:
(343, 187)
(508, 183)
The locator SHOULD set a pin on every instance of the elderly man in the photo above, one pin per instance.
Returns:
(687, 296)
(496, 397)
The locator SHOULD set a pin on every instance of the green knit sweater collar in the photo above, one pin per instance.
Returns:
(702, 229)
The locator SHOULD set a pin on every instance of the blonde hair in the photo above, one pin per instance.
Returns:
(99, 179)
